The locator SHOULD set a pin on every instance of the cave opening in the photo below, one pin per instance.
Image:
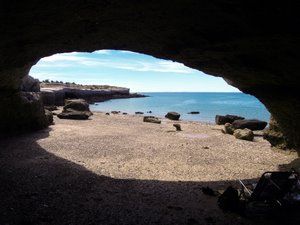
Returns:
(44, 177)
(196, 91)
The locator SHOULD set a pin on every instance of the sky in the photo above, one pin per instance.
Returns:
(139, 72)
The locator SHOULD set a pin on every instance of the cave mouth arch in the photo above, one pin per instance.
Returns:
(255, 47)
(144, 73)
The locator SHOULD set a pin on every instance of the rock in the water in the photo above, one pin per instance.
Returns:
(221, 120)
(275, 136)
(139, 113)
(149, 112)
(49, 116)
(177, 126)
(151, 119)
(228, 129)
(250, 124)
(29, 84)
(124, 113)
(172, 115)
(77, 109)
(244, 134)
(194, 112)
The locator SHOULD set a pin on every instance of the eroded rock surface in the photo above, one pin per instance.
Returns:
(252, 124)
(253, 45)
(244, 134)
(275, 136)
(76, 109)
(222, 120)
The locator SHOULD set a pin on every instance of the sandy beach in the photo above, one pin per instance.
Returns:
(116, 169)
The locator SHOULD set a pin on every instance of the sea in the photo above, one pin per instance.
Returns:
(208, 104)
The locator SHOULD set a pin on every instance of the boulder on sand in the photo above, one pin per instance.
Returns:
(115, 112)
(139, 113)
(221, 120)
(244, 134)
(151, 119)
(250, 124)
(228, 128)
(172, 115)
(77, 109)
(177, 126)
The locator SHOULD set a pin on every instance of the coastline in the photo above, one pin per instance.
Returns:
(55, 94)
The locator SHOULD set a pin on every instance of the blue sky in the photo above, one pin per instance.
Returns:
(139, 72)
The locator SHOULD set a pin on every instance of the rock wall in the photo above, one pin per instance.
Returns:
(51, 96)
(254, 45)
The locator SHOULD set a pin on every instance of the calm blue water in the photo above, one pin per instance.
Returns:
(208, 104)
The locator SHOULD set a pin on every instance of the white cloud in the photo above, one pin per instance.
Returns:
(72, 60)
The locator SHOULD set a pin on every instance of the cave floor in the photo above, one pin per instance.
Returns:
(117, 169)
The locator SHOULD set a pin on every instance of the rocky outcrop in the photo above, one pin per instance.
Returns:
(151, 119)
(172, 115)
(250, 124)
(244, 134)
(276, 137)
(253, 45)
(49, 116)
(21, 112)
(76, 109)
(222, 120)
(29, 84)
(57, 95)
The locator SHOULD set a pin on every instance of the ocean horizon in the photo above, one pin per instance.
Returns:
(209, 104)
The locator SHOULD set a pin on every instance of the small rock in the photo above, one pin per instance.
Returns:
(194, 112)
(172, 115)
(229, 200)
(177, 126)
(151, 119)
(244, 134)
(115, 112)
(107, 114)
(139, 113)
(228, 129)
(149, 112)
(205, 147)
(124, 113)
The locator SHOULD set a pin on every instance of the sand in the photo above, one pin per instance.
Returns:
(116, 169)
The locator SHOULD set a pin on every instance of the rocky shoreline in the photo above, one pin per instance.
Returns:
(57, 96)
(55, 93)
